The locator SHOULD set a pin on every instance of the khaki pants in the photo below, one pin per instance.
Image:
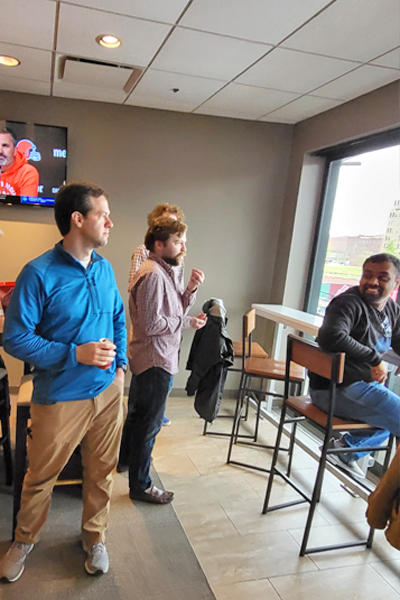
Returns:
(57, 429)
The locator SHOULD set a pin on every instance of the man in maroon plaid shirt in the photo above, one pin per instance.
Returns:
(158, 307)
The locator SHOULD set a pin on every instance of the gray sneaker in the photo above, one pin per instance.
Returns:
(13, 564)
(97, 561)
(345, 460)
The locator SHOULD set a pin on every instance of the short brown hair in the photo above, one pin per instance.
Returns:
(160, 209)
(71, 197)
(162, 229)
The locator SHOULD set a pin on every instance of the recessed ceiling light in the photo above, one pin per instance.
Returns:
(9, 61)
(108, 41)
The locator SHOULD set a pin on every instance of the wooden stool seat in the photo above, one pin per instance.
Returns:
(304, 405)
(273, 369)
(256, 350)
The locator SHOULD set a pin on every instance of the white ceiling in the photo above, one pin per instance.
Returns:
(267, 60)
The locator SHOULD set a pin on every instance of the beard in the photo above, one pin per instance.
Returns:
(4, 160)
(371, 298)
(176, 260)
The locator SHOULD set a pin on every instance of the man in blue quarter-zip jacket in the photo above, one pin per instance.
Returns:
(64, 303)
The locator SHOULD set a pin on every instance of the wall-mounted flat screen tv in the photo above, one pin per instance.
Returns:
(33, 163)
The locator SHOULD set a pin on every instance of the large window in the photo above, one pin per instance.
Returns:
(360, 215)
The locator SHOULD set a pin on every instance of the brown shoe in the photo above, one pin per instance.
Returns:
(153, 495)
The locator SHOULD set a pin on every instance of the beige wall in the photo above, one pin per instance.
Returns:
(229, 176)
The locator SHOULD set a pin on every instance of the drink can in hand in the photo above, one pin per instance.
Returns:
(106, 341)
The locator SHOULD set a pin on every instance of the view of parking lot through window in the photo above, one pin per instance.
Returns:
(365, 221)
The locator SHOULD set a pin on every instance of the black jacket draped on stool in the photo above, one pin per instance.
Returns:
(210, 356)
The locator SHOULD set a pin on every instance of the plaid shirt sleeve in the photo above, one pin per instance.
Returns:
(139, 256)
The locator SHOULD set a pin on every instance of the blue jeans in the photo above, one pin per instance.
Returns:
(125, 448)
(372, 403)
(152, 389)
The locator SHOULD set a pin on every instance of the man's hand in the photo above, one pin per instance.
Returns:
(379, 373)
(198, 321)
(196, 279)
(98, 354)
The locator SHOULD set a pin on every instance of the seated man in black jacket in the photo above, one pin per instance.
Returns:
(363, 322)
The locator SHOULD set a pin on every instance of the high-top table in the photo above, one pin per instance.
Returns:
(290, 317)
(303, 322)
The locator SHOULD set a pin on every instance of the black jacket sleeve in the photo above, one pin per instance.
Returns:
(341, 318)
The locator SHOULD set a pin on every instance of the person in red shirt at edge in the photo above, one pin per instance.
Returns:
(17, 176)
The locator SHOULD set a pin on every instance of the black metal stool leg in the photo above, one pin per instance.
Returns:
(274, 460)
(291, 448)
(236, 421)
(370, 537)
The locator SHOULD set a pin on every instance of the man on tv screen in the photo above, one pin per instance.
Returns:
(17, 176)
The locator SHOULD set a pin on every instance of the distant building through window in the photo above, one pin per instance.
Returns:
(361, 217)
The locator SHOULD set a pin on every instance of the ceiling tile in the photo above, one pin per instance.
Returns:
(207, 55)
(26, 86)
(155, 90)
(352, 29)
(255, 20)
(28, 23)
(391, 59)
(82, 73)
(215, 41)
(303, 108)
(35, 64)
(251, 101)
(294, 71)
(98, 94)
(80, 26)
(157, 10)
(358, 82)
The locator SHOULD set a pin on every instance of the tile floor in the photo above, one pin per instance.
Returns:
(246, 554)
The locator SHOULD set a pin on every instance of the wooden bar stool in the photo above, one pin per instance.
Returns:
(331, 366)
(260, 369)
(251, 349)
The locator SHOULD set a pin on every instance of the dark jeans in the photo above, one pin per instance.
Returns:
(146, 419)
(125, 448)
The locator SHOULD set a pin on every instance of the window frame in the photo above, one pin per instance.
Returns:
(332, 154)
